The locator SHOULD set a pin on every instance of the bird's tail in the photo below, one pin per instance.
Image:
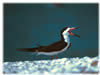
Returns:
(28, 49)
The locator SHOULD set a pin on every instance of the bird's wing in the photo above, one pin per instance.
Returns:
(51, 48)
(27, 49)
(31, 49)
(54, 47)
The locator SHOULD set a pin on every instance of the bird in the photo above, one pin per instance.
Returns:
(57, 47)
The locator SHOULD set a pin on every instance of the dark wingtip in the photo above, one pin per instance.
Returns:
(26, 49)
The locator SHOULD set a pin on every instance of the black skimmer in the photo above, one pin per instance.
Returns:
(57, 47)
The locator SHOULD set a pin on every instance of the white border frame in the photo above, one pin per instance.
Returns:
(34, 1)
(50, 1)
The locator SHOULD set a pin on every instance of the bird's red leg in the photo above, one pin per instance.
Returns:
(51, 57)
(56, 57)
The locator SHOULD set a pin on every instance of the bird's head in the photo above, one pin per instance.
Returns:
(68, 31)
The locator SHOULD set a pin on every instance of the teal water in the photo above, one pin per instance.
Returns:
(26, 25)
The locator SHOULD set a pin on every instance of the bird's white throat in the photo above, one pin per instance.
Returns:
(66, 36)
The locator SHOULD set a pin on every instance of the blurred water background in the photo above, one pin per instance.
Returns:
(26, 25)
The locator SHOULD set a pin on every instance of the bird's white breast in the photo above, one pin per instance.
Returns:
(66, 36)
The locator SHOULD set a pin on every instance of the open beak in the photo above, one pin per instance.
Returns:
(73, 28)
